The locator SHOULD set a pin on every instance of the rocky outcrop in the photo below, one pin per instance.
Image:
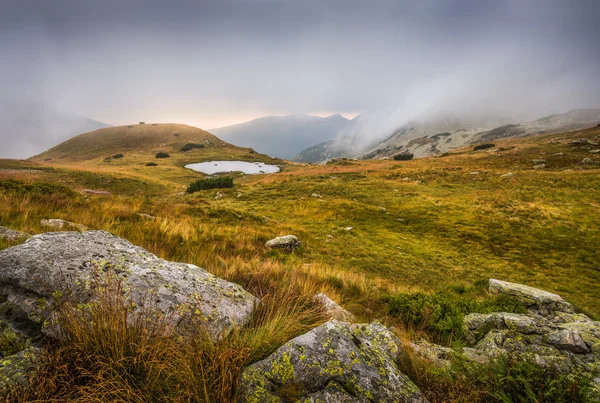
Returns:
(333, 310)
(335, 362)
(12, 235)
(57, 223)
(550, 334)
(66, 265)
(287, 242)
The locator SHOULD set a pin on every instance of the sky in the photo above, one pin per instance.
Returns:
(220, 62)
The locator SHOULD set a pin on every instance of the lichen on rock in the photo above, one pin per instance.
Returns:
(336, 361)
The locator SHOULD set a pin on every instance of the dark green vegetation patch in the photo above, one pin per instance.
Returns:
(162, 155)
(117, 156)
(220, 182)
(191, 146)
(484, 146)
(404, 156)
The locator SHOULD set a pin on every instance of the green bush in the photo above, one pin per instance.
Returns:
(404, 156)
(442, 313)
(483, 146)
(151, 164)
(117, 156)
(191, 146)
(211, 183)
(162, 155)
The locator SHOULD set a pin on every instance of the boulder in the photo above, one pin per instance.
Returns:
(537, 301)
(333, 310)
(67, 264)
(57, 223)
(335, 362)
(287, 242)
(93, 192)
(12, 235)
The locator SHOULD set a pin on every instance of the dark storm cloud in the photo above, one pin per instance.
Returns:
(204, 62)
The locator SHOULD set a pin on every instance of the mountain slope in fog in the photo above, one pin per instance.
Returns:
(34, 127)
(282, 136)
(434, 136)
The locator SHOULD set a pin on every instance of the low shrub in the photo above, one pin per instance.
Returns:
(442, 314)
(151, 164)
(404, 156)
(219, 182)
(505, 379)
(191, 146)
(483, 146)
(117, 156)
(162, 155)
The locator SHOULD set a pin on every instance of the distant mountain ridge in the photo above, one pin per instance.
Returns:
(282, 136)
(27, 129)
(435, 136)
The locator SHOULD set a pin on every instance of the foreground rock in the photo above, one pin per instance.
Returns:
(12, 235)
(67, 263)
(287, 242)
(335, 362)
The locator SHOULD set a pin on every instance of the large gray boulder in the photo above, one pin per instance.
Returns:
(335, 362)
(66, 264)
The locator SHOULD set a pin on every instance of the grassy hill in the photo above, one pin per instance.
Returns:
(427, 228)
(139, 139)
(126, 151)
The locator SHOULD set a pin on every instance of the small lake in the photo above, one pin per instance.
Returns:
(250, 168)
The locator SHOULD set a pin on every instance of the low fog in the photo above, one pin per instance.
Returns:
(214, 63)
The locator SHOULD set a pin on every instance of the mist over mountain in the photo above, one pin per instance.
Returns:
(28, 128)
(283, 136)
(427, 136)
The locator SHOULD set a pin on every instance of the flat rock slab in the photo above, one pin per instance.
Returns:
(12, 235)
(539, 301)
(57, 223)
(93, 192)
(335, 362)
(68, 263)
